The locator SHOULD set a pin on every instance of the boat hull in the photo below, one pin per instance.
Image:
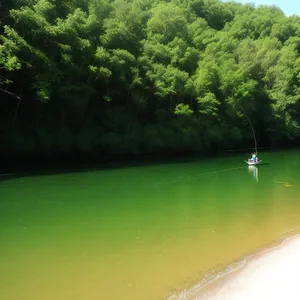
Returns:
(253, 163)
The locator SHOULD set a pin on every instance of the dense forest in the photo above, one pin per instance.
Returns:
(112, 78)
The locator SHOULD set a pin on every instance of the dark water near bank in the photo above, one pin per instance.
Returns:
(142, 232)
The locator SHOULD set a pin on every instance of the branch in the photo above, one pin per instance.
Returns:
(10, 94)
(2, 81)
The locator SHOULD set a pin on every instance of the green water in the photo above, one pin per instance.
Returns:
(142, 232)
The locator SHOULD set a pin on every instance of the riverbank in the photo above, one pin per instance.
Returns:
(14, 167)
(272, 274)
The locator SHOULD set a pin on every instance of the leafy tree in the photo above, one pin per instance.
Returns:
(126, 77)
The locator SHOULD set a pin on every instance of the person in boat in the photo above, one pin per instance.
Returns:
(254, 157)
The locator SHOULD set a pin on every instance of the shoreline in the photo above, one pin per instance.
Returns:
(14, 168)
(270, 274)
(224, 284)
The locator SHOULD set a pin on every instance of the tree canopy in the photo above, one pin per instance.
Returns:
(130, 77)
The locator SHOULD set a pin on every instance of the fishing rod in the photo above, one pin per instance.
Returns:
(254, 137)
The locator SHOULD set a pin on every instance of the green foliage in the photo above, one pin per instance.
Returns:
(145, 76)
(167, 22)
(167, 80)
(208, 105)
(8, 50)
(183, 109)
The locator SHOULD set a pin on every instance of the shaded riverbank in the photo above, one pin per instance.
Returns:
(11, 167)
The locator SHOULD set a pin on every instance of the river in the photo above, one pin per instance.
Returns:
(146, 232)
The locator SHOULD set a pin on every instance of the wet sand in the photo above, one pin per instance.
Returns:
(273, 274)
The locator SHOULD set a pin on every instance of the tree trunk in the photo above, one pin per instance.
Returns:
(16, 113)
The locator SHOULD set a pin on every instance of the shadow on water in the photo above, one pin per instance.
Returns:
(40, 169)
(61, 166)
(264, 164)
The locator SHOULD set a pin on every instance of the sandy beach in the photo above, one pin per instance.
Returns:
(273, 274)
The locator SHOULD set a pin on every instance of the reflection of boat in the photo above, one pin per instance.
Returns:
(254, 170)
(251, 162)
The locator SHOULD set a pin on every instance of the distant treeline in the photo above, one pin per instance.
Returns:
(111, 78)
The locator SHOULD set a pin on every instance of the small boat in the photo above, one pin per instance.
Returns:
(251, 162)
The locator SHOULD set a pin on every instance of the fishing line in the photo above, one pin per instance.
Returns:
(254, 137)
(218, 171)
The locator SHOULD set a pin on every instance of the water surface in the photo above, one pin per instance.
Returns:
(143, 232)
